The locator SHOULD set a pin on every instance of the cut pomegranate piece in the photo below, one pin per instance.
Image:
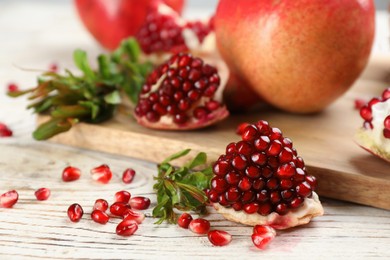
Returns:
(5, 131)
(9, 199)
(127, 227)
(184, 220)
(101, 174)
(165, 31)
(374, 136)
(75, 212)
(199, 226)
(128, 175)
(100, 216)
(71, 174)
(122, 196)
(139, 217)
(219, 237)
(139, 203)
(181, 94)
(42, 193)
(262, 180)
(100, 204)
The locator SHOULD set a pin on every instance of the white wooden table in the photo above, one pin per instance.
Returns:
(37, 33)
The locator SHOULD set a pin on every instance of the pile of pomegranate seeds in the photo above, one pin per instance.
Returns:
(5, 131)
(366, 113)
(181, 91)
(9, 199)
(260, 174)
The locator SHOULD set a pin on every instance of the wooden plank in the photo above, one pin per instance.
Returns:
(324, 140)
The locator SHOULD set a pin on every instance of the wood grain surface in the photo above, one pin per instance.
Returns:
(41, 229)
(325, 141)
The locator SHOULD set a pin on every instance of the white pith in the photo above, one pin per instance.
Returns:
(311, 208)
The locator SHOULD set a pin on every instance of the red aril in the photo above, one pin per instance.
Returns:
(199, 226)
(100, 204)
(219, 237)
(122, 196)
(5, 131)
(71, 174)
(42, 193)
(264, 230)
(139, 217)
(9, 199)
(100, 216)
(101, 174)
(119, 208)
(75, 212)
(184, 220)
(127, 227)
(139, 203)
(261, 241)
(128, 175)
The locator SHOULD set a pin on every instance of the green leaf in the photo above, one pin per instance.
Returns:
(70, 111)
(177, 155)
(81, 61)
(51, 128)
(197, 179)
(200, 159)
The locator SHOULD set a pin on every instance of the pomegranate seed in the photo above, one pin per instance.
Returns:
(262, 236)
(221, 168)
(119, 208)
(99, 216)
(12, 87)
(264, 230)
(232, 178)
(365, 113)
(5, 131)
(126, 228)
(276, 134)
(274, 148)
(101, 174)
(184, 220)
(296, 202)
(250, 133)
(128, 176)
(304, 189)
(219, 237)
(359, 103)
(199, 226)
(233, 194)
(138, 217)
(9, 199)
(100, 204)
(245, 184)
(219, 184)
(241, 127)
(386, 133)
(312, 181)
(75, 212)
(139, 203)
(251, 208)
(260, 241)
(122, 196)
(71, 174)
(263, 127)
(286, 171)
(42, 193)
(264, 209)
(386, 94)
(386, 122)
(239, 162)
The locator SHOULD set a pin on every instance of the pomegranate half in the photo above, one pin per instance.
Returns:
(111, 21)
(297, 55)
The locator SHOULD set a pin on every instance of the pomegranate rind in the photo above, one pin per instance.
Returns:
(310, 208)
(364, 140)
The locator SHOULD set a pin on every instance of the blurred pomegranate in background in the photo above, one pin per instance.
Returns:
(297, 55)
(111, 21)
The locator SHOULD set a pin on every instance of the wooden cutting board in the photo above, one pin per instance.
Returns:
(325, 141)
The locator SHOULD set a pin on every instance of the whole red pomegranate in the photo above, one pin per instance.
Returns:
(297, 55)
(110, 21)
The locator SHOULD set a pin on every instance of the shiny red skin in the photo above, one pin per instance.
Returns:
(298, 55)
(111, 21)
